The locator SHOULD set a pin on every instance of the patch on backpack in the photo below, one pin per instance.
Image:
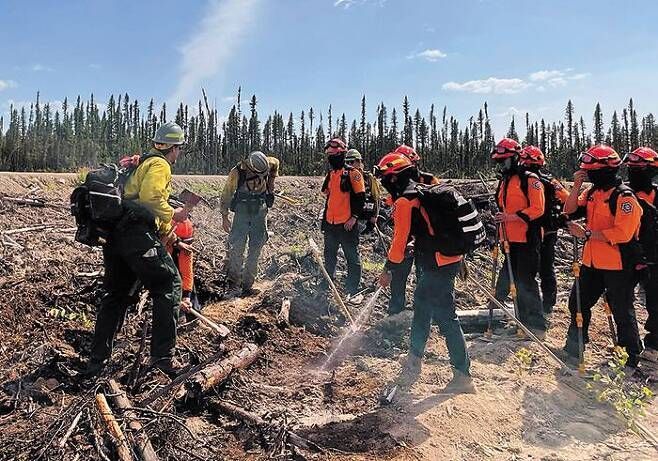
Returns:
(151, 253)
(536, 185)
(357, 177)
(626, 207)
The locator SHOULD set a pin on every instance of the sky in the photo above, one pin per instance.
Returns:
(517, 55)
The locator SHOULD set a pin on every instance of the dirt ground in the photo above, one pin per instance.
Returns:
(50, 287)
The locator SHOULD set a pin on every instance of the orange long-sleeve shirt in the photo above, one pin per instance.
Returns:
(618, 228)
(339, 209)
(512, 199)
(402, 231)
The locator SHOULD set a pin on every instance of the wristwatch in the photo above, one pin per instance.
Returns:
(588, 234)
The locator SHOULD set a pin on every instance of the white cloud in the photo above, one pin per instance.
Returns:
(544, 75)
(489, 85)
(346, 4)
(431, 55)
(217, 38)
(580, 76)
(5, 84)
(556, 78)
(41, 68)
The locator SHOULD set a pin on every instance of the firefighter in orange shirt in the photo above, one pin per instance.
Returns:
(345, 191)
(183, 256)
(611, 252)
(555, 195)
(434, 295)
(520, 197)
(642, 168)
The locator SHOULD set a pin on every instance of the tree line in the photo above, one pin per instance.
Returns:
(46, 138)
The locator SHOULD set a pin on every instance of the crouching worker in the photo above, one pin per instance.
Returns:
(249, 193)
(183, 254)
(434, 294)
(136, 250)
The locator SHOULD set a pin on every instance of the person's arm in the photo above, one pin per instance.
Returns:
(154, 193)
(572, 203)
(376, 195)
(358, 198)
(627, 220)
(228, 191)
(536, 201)
(186, 269)
(401, 230)
(561, 192)
(274, 172)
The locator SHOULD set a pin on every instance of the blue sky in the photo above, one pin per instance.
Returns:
(518, 55)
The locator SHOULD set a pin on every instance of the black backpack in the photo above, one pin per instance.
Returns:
(551, 220)
(369, 205)
(97, 205)
(457, 227)
(649, 228)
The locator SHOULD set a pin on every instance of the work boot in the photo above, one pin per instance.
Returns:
(168, 365)
(461, 383)
(94, 368)
(250, 291)
(410, 371)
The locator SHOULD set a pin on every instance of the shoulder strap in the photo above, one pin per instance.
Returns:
(325, 184)
(621, 189)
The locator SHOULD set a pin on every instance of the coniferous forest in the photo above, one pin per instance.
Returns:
(82, 133)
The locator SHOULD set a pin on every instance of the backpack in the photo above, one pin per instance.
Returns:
(369, 205)
(632, 252)
(97, 205)
(457, 227)
(240, 196)
(649, 228)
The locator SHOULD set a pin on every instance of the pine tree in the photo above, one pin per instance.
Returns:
(598, 124)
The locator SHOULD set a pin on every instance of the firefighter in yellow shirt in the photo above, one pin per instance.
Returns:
(135, 250)
(249, 193)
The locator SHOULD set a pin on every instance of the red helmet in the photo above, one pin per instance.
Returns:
(335, 146)
(599, 157)
(505, 148)
(408, 152)
(532, 155)
(184, 229)
(641, 157)
(392, 164)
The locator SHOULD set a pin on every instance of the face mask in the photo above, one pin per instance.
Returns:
(336, 161)
(606, 177)
(640, 178)
(507, 166)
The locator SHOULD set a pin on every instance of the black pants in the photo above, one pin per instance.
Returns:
(525, 264)
(618, 287)
(399, 277)
(547, 271)
(335, 236)
(650, 286)
(434, 299)
(135, 253)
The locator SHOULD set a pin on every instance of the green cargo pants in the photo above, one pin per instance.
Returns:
(133, 253)
(249, 223)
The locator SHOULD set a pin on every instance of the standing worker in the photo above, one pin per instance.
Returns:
(555, 195)
(249, 193)
(373, 196)
(400, 273)
(136, 250)
(345, 191)
(611, 252)
(434, 297)
(642, 168)
(520, 197)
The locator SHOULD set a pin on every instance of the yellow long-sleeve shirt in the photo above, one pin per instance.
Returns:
(150, 186)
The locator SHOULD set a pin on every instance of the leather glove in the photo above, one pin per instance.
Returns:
(269, 200)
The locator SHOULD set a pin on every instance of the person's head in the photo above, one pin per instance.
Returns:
(169, 139)
(395, 171)
(257, 162)
(642, 166)
(601, 163)
(335, 149)
(354, 159)
(408, 152)
(506, 155)
(532, 158)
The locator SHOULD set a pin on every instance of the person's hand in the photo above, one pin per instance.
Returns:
(385, 279)
(577, 230)
(186, 305)
(350, 224)
(506, 217)
(169, 239)
(180, 214)
(185, 246)
(226, 223)
(579, 178)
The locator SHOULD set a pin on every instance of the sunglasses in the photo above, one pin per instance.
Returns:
(334, 144)
(634, 158)
(589, 159)
(502, 150)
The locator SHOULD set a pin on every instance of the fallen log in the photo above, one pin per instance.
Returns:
(112, 426)
(69, 432)
(255, 420)
(213, 375)
(141, 440)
